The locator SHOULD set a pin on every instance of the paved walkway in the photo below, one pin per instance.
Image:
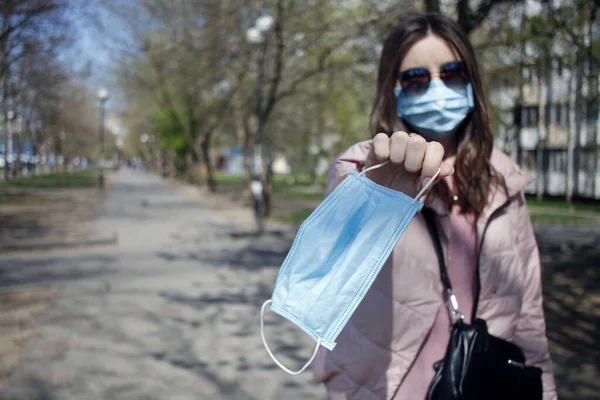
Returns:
(172, 312)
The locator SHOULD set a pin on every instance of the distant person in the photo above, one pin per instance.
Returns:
(431, 112)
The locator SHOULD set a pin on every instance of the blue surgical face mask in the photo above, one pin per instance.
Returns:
(439, 111)
(336, 256)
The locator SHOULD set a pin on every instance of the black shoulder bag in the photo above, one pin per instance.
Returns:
(477, 365)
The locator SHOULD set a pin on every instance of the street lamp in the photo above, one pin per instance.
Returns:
(257, 34)
(8, 152)
(102, 98)
(18, 130)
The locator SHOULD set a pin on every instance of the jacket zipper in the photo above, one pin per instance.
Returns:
(478, 290)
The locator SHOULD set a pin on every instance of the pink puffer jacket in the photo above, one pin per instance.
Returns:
(383, 337)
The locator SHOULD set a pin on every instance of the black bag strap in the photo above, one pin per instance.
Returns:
(428, 214)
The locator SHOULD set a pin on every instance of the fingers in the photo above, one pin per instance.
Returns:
(381, 147)
(432, 160)
(398, 145)
(415, 152)
(446, 169)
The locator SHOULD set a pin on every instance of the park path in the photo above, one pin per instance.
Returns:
(171, 312)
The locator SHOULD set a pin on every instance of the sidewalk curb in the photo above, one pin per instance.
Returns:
(48, 245)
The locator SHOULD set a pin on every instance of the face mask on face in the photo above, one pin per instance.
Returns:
(439, 111)
(336, 256)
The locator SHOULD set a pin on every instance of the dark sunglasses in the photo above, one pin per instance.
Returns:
(416, 80)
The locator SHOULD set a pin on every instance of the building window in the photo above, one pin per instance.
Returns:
(557, 65)
(557, 114)
(528, 161)
(528, 74)
(592, 110)
(587, 162)
(529, 116)
(558, 161)
(561, 114)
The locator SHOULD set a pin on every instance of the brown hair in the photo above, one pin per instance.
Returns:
(474, 175)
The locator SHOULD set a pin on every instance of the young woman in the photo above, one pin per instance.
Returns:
(429, 84)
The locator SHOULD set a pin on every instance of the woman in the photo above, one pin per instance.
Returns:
(429, 84)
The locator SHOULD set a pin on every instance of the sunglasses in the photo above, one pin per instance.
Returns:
(415, 81)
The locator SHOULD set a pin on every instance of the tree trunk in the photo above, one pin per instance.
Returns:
(593, 94)
(189, 167)
(319, 139)
(241, 130)
(18, 144)
(571, 136)
(210, 174)
(549, 84)
(171, 156)
(432, 6)
(4, 87)
(463, 10)
(58, 150)
(579, 113)
(539, 154)
(238, 116)
(268, 189)
(516, 139)
(245, 153)
(4, 72)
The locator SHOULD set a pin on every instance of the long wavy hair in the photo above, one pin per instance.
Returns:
(474, 175)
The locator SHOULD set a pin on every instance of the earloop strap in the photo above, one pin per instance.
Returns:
(427, 186)
(364, 171)
(262, 334)
(420, 194)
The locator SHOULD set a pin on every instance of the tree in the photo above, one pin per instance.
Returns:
(180, 76)
(24, 26)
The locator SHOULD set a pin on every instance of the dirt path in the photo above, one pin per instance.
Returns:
(19, 310)
(48, 214)
(37, 215)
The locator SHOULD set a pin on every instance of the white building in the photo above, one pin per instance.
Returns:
(557, 112)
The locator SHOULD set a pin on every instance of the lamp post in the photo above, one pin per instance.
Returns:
(18, 143)
(8, 152)
(102, 98)
(257, 34)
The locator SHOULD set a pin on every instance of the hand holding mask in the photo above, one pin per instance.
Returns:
(339, 251)
(412, 162)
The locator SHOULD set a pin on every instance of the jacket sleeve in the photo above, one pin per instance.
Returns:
(531, 328)
(352, 159)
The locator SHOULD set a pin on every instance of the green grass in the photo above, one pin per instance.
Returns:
(549, 217)
(562, 205)
(296, 217)
(226, 178)
(287, 186)
(279, 181)
(80, 178)
(296, 194)
(296, 180)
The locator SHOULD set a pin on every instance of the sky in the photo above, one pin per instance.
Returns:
(92, 48)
